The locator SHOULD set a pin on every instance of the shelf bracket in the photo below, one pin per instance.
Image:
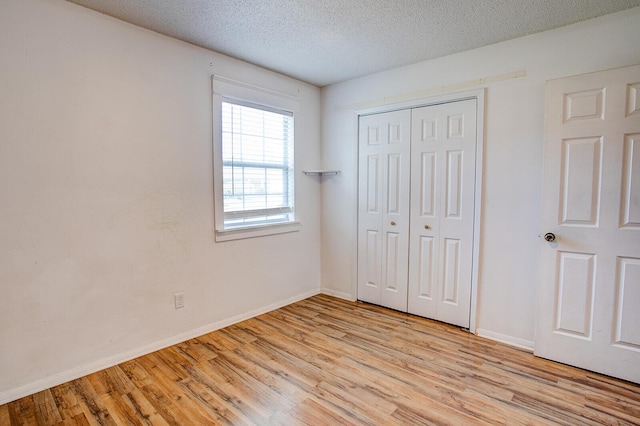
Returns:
(321, 172)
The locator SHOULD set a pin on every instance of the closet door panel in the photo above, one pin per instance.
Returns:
(383, 210)
(442, 207)
(457, 215)
(424, 259)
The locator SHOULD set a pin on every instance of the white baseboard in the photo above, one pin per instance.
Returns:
(503, 338)
(92, 367)
(338, 294)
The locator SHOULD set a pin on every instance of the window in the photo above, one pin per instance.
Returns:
(257, 159)
(253, 171)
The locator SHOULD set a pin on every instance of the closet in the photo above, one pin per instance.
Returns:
(416, 190)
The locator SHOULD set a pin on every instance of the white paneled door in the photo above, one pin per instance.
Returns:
(443, 161)
(416, 210)
(589, 294)
(383, 204)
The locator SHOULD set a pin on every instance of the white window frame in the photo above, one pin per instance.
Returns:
(231, 89)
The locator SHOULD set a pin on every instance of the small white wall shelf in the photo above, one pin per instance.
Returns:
(321, 172)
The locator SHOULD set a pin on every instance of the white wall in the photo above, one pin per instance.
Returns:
(106, 204)
(514, 129)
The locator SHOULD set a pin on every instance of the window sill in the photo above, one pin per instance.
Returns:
(256, 231)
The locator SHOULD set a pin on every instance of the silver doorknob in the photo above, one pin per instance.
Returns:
(550, 237)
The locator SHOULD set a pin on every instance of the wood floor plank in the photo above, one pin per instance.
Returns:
(172, 364)
(46, 410)
(613, 406)
(310, 412)
(197, 350)
(219, 407)
(23, 412)
(408, 388)
(166, 395)
(120, 411)
(66, 400)
(91, 404)
(325, 360)
(245, 392)
(278, 376)
(144, 410)
(507, 409)
(265, 388)
(5, 419)
(237, 335)
(355, 402)
(218, 341)
(115, 380)
(78, 420)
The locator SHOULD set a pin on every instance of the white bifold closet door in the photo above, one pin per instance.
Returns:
(383, 222)
(416, 207)
(443, 161)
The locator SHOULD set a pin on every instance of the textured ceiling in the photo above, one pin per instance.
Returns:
(327, 41)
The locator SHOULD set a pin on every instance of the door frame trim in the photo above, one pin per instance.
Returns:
(479, 96)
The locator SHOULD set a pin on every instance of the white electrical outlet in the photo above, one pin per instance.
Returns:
(178, 300)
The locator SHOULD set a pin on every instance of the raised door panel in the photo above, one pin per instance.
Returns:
(372, 184)
(394, 181)
(574, 294)
(451, 272)
(428, 127)
(372, 132)
(396, 131)
(372, 256)
(627, 330)
(455, 126)
(581, 173)
(584, 105)
(630, 212)
(427, 185)
(633, 99)
(453, 189)
(392, 265)
(426, 268)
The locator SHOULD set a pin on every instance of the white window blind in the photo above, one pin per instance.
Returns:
(257, 160)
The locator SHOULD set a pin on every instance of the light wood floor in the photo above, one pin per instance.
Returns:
(325, 361)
